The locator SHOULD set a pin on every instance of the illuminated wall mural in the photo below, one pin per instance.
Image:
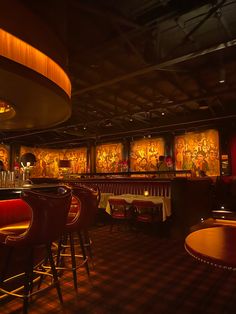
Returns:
(47, 164)
(4, 156)
(145, 154)
(199, 152)
(109, 158)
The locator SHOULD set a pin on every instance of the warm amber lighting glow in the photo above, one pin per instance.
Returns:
(4, 107)
(48, 161)
(198, 151)
(145, 154)
(6, 110)
(109, 158)
(19, 51)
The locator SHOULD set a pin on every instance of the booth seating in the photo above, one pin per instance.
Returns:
(128, 185)
(191, 198)
(42, 230)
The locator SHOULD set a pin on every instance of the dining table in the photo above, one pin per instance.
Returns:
(129, 198)
(214, 246)
(104, 199)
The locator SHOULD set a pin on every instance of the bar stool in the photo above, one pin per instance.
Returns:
(92, 208)
(41, 232)
(81, 216)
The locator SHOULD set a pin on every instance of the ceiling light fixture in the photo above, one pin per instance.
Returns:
(222, 75)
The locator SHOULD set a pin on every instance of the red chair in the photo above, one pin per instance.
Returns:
(48, 219)
(146, 212)
(81, 216)
(120, 212)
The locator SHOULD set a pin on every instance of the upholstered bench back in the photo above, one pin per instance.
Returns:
(157, 188)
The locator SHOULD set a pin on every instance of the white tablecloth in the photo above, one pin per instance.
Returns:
(104, 199)
(129, 198)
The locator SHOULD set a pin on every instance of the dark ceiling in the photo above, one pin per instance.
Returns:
(141, 67)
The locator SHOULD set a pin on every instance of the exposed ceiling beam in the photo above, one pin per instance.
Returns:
(157, 67)
(64, 127)
(159, 128)
(209, 14)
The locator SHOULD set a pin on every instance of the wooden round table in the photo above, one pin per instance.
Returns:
(215, 246)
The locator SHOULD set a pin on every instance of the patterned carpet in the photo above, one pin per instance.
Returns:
(140, 273)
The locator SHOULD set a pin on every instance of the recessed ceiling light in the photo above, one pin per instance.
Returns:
(163, 113)
(222, 76)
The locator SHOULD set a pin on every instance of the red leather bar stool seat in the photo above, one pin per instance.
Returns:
(81, 216)
(48, 220)
(15, 216)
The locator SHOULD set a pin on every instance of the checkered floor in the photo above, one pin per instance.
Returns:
(140, 274)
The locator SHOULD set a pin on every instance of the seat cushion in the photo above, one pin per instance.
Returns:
(118, 215)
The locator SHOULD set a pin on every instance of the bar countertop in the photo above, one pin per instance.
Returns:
(15, 192)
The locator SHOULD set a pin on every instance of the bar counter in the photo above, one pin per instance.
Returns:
(15, 192)
(191, 198)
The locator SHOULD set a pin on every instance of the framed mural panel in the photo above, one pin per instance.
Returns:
(199, 152)
(47, 161)
(4, 156)
(109, 158)
(144, 154)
